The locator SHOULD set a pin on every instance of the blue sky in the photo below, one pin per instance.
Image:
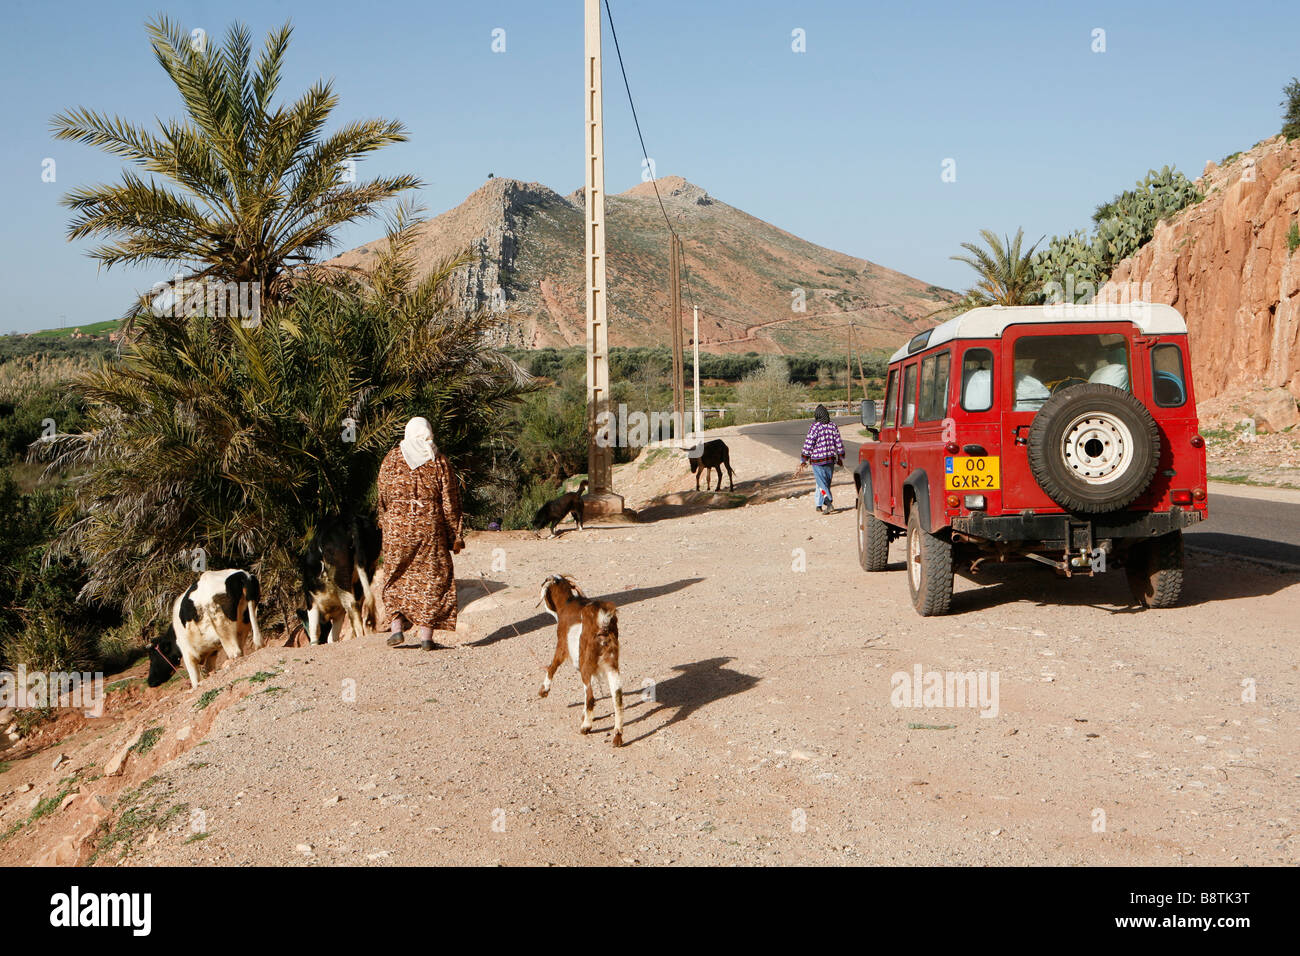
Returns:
(842, 144)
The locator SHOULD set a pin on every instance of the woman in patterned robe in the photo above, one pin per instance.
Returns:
(419, 512)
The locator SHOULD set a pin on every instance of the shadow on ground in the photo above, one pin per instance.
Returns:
(619, 599)
(1244, 547)
(1207, 580)
(695, 685)
(756, 491)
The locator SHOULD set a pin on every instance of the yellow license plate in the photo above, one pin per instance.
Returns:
(972, 473)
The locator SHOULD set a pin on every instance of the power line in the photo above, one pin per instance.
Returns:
(645, 153)
(690, 291)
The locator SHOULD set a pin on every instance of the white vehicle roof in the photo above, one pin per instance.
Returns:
(989, 322)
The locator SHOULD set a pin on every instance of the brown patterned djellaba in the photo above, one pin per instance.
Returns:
(419, 512)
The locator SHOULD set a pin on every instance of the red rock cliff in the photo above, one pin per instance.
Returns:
(1224, 263)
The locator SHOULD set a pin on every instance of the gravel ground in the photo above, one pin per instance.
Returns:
(758, 659)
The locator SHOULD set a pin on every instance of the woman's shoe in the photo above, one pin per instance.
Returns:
(427, 645)
(396, 639)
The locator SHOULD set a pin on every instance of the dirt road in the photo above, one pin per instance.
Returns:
(766, 732)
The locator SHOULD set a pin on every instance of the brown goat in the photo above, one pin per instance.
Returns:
(587, 633)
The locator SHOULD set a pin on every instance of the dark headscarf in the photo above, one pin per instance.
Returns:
(820, 414)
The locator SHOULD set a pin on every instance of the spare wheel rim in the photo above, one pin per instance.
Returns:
(1098, 448)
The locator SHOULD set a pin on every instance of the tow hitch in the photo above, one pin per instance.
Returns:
(1080, 557)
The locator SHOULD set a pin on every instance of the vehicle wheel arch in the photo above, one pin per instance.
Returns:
(862, 483)
(916, 493)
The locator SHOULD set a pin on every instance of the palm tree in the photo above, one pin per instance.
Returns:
(240, 450)
(241, 190)
(1006, 275)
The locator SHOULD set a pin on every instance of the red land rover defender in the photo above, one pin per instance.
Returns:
(1065, 435)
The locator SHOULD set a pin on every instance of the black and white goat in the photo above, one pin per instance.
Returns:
(338, 569)
(557, 509)
(587, 634)
(217, 612)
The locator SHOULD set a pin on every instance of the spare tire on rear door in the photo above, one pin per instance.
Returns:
(1093, 448)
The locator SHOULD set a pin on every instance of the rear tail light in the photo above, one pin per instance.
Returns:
(954, 501)
(1198, 494)
(1181, 497)
(952, 448)
(976, 503)
(1198, 441)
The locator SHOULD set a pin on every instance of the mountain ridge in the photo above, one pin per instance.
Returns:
(748, 276)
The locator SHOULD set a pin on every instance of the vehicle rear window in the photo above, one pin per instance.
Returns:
(1045, 364)
(891, 400)
(909, 395)
(934, 387)
(977, 380)
(1168, 385)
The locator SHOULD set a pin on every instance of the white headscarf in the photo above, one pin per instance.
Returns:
(418, 447)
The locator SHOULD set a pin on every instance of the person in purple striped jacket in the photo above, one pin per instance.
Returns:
(823, 449)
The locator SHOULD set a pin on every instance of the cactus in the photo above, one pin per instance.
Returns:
(1121, 227)
(1069, 269)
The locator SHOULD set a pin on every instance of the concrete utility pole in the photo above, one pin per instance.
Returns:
(600, 461)
(697, 426)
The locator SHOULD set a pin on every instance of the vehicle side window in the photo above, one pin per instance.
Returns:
(934, 387)
(1168, 385)
(891, 400)
(909, 395)
(977, 380)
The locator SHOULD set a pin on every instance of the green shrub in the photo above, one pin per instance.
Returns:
(552, 430)
(48, 642)
(42, 624)
(147, 741)
(1291, 110)
(34, 391)
(1293, 237)
(520, 513)
(767, 395)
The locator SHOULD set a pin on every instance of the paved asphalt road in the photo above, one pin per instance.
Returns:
(1240, 524)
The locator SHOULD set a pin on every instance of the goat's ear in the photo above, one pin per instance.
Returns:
(568, 578)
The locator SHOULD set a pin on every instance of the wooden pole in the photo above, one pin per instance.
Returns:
(862, 378)
(675, 319)
(848, 367)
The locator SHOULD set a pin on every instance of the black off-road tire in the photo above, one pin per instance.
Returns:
(929, 568)
(1155, 570)
(1093, 448)
(873, 539)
